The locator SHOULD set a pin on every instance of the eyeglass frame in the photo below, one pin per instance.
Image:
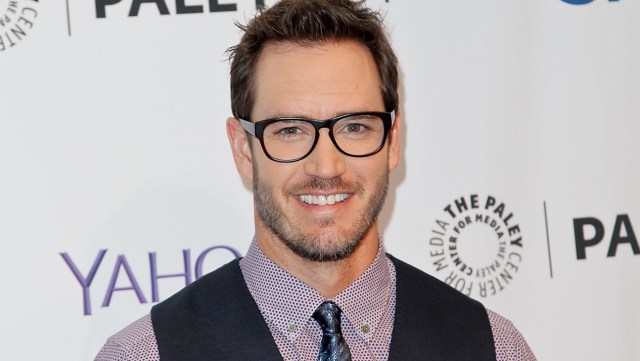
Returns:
(256, 129)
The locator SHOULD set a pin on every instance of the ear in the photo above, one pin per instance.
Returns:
(394, 143)
(240, 148)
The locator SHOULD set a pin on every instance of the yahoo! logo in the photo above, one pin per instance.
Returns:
(582, 2)
(122, 266)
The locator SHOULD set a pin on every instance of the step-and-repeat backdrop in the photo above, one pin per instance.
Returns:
(519, 186)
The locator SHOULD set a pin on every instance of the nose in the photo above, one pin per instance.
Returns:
(325, 161)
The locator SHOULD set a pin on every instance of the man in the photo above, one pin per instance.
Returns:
(315, 129)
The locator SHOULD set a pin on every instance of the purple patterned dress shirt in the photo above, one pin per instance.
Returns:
(287, 305)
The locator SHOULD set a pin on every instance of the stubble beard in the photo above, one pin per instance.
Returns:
(322, 246)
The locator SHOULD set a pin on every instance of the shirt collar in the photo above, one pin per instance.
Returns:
(365, 301)
(287, 303)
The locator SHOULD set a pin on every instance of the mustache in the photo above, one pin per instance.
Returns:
(317, 184)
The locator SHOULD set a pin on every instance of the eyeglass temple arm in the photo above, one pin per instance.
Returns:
(248, 126)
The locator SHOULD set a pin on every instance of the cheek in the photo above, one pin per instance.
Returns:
(277, 176)
(262, 166)
(371, 169)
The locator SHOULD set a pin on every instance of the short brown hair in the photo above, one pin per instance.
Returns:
(310, 22)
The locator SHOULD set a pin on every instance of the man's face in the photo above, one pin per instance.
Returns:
(319, 82)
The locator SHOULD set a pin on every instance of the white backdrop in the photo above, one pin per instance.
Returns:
(113, 152)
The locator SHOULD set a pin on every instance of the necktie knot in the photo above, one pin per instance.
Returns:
(333, 347)
(328, 316)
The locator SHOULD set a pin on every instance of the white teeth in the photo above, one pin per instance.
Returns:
(323, 200)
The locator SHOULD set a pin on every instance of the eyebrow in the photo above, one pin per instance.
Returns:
(289, 115)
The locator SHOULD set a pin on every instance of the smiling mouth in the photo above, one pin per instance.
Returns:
(322, 200)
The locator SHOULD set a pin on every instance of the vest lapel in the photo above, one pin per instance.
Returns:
(214, 318)
(435, 322)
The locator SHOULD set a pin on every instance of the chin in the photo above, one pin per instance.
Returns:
(325, 246)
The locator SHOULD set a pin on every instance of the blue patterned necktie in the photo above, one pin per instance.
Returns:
(333, 347)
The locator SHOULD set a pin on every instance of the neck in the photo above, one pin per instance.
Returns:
(328, 278)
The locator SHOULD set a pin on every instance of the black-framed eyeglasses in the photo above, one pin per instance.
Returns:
(290, 139)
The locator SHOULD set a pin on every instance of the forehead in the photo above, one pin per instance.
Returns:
(316, 81)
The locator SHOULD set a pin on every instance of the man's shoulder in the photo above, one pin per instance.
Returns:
(441, 319)
(509, 342)
(422, 289)
(139, 340)
(216, 286)
(134, 342)
(424, 297)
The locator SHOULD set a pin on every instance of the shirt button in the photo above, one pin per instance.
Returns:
(366, 328)
(292, 327)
